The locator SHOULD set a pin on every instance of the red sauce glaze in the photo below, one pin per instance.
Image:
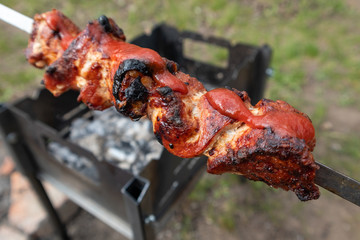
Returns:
(229, 104)
(56, 23)
(283, 123)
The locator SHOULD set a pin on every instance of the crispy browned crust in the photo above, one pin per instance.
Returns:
(108, 72)
(45, 43)
(83, 66)
(259, 154)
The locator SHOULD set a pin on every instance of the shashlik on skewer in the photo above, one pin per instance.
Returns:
(270, 142)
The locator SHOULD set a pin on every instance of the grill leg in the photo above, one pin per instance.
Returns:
(26, 165)
(54, 217)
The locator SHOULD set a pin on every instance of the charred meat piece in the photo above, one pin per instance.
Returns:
(52, 33)
(85, 66)
(270, 142)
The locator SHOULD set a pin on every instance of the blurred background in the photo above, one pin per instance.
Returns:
(316, 66)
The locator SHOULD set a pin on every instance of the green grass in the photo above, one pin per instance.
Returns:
(205, 52)
(297, 31)
(227, 219)
(313, 41)
(343, 153)
(319, 114)
(15, 82)
(202, 189)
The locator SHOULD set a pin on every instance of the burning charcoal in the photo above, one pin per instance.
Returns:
(137, 166)
(155, 150)
(96, 127)
(92, 143)
(122, 125)
(78, 128)
(114, 138)
(80, 164)
(124, 165)
(71, 158)
(78, 132)
(121, 155)
(78, 123)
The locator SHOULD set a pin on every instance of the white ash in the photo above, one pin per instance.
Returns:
(112, 137)
(81, 164)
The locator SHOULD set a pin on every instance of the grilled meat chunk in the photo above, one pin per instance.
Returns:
(51, 35)
(270, 142)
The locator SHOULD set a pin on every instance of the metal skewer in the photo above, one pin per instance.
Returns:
(338, 183)
(326, 177)
(16, 19)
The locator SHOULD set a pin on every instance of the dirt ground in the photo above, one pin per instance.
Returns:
(237, 209)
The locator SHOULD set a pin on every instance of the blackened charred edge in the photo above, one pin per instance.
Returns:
(211, 152)
(72, 45)
(242, 94)
(175, 118)
(127, 111)
(273, 144)
(232, 156)
(104, 21)
(172, 66)
(127, 65)
(265, 103)
(158, 137)
(164, 91)
(136, 91)
(51, 70)
(56, 33)
(279, 147)
(135, 117)
(306, 193)
(119, 33)
(35, 29)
